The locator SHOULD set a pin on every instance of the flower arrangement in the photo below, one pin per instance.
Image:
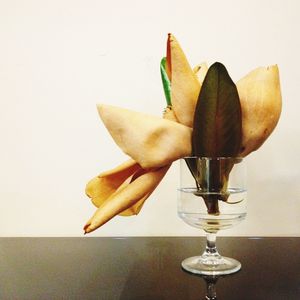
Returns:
(207, 115)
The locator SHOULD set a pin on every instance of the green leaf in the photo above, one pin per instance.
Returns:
(217, 130)
(165, 81)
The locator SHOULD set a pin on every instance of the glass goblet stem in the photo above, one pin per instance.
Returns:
(211, 254)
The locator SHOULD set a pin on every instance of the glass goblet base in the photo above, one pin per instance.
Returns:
(211, 266)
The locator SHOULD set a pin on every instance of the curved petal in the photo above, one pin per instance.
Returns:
(150, 141)
(138, 190)
(260, 97)
(185, 86)
(101, 187)
(201, 70)
(169, 114)
(136, 207)
(121, 171)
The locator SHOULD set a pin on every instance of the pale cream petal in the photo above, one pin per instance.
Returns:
(103, 187)
(100, 188)
(260, 97)
(122, 169)
(169, 114)
(150, 141)
(185, 86)
(135, 208)
(201, 70)
(137, 190)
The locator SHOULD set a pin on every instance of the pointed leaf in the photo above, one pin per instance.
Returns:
(217, 121)
(217, 132)
(165, 81)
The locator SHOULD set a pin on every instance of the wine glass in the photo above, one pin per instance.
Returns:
(212, 197)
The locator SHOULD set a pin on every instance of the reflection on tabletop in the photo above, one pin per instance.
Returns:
(211, 284)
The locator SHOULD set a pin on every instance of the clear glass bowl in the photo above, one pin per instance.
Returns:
(212, 197)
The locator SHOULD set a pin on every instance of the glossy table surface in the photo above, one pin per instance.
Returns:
(144, 268)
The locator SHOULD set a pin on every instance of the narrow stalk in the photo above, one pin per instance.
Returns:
(211, 243)
(211, 255)
(212, 204)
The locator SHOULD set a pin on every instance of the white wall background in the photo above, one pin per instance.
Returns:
(59, 58)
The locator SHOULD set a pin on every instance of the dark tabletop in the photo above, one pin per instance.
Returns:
(144, 268)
